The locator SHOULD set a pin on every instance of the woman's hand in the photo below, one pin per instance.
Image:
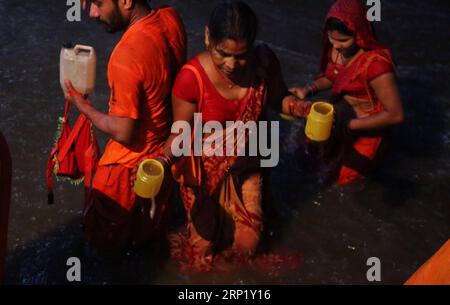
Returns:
(301, 93)
(301, 108)
(294, 106)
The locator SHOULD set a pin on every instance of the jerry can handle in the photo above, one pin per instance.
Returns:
(80, 47)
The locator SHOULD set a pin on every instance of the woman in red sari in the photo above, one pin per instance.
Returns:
(233, 80)
(360, 73)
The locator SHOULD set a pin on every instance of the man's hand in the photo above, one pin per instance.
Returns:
(120, 129)
(75, 97)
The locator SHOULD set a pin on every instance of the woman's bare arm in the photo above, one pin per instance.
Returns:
(386, 90)
(316, 86)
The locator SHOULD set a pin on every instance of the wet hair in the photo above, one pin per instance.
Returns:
(334, 24)
(233, 20)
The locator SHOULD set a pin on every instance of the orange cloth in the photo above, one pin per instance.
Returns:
(436, 271)
(113, 182)
(367, 147)
(141, 72)
(115, 217)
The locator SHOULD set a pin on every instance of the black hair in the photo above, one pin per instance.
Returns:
(233, 20)
(334, 24)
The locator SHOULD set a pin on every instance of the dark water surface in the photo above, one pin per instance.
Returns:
(402, 216)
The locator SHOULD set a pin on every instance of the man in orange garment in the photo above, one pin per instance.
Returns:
(141, 71)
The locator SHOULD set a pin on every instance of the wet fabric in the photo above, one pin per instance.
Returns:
(114, 217)
(141, 72)
(353, 80)
(224, 214)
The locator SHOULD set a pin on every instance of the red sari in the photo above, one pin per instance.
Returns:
(228, 230)
(353, 80)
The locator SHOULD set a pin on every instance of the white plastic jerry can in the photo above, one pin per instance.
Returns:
(78, 65)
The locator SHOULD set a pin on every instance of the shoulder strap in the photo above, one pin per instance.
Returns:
(197, 122)
(73, 134)
(369, 61)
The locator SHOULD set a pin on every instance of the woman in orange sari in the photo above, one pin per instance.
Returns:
(360, 73)
(233, 80)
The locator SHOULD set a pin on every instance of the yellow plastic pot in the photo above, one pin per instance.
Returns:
(149, 178)
(319, 122)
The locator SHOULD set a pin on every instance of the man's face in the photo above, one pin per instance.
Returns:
(108, 13)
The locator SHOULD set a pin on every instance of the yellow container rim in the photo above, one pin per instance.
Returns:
(314, 111)
(145, 176)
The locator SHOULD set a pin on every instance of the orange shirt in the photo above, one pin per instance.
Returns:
(141, 71)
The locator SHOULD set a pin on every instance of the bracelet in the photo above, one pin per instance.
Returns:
(307, 108)
(291, 105)
(312, 88)
(168, 161)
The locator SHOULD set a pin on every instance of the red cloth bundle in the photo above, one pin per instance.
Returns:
(76, 153)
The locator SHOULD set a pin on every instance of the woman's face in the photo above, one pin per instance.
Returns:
(230, 56)
(344, 44)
